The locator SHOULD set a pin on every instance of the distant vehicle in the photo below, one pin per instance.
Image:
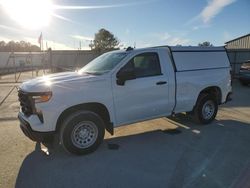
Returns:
(124, 87)
(244, 75)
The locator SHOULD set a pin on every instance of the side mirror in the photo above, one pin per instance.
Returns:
(126, 73)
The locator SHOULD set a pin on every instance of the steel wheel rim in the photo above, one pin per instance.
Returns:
(84, 134)
(208, 109)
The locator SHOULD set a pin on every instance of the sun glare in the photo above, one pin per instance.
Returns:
(30, 14)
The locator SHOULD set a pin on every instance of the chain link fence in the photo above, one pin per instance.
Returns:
(16, 67)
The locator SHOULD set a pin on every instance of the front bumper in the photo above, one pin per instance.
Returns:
(34, 135)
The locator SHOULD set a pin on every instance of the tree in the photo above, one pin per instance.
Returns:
(21, 46)
(206, 43)
(104, 41)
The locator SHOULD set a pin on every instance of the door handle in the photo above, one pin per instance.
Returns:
(161, 83)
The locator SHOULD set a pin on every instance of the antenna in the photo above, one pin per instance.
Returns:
(134, 44)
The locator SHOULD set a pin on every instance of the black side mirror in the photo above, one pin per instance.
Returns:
(126, 73)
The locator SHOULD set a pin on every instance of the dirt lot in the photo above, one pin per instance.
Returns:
(160, 153)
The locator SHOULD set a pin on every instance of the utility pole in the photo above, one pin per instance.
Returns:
(80, 45)
(91, 44)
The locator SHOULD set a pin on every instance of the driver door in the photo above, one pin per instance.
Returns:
(144, 97)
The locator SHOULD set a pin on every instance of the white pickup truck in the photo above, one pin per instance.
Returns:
(123, 87)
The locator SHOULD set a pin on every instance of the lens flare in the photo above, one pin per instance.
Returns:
(30, 14)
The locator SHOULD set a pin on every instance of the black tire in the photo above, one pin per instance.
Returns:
(82, 132)
(200, 113)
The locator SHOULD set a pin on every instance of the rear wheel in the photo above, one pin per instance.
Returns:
(205, 109)
(82, 132)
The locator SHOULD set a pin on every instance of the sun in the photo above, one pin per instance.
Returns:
(30, 14)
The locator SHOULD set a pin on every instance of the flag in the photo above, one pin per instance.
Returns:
(40, 38)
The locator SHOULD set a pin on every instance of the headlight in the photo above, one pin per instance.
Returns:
(42, 97)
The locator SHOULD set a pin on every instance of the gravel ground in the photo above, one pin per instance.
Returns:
(159, 153)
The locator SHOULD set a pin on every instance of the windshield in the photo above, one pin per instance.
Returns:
(103, 63)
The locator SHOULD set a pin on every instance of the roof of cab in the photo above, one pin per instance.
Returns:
(182, 48)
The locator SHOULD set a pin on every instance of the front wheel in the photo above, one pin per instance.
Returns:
(205, 109)
(82, 132)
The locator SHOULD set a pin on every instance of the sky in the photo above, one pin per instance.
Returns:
(65, 24)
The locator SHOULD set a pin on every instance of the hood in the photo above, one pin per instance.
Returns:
(44, 83)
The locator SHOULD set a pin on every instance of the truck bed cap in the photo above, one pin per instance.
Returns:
(195, 48)
(199, 58)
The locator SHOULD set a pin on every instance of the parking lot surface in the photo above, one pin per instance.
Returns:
(166, 152)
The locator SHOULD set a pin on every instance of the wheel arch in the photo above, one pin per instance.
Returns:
(212, 90)
(97, 108)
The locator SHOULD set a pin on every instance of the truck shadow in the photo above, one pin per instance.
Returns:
(213, 156)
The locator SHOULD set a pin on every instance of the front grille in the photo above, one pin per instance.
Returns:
(25, 102)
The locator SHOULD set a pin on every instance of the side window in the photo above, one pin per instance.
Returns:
(146, 64)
